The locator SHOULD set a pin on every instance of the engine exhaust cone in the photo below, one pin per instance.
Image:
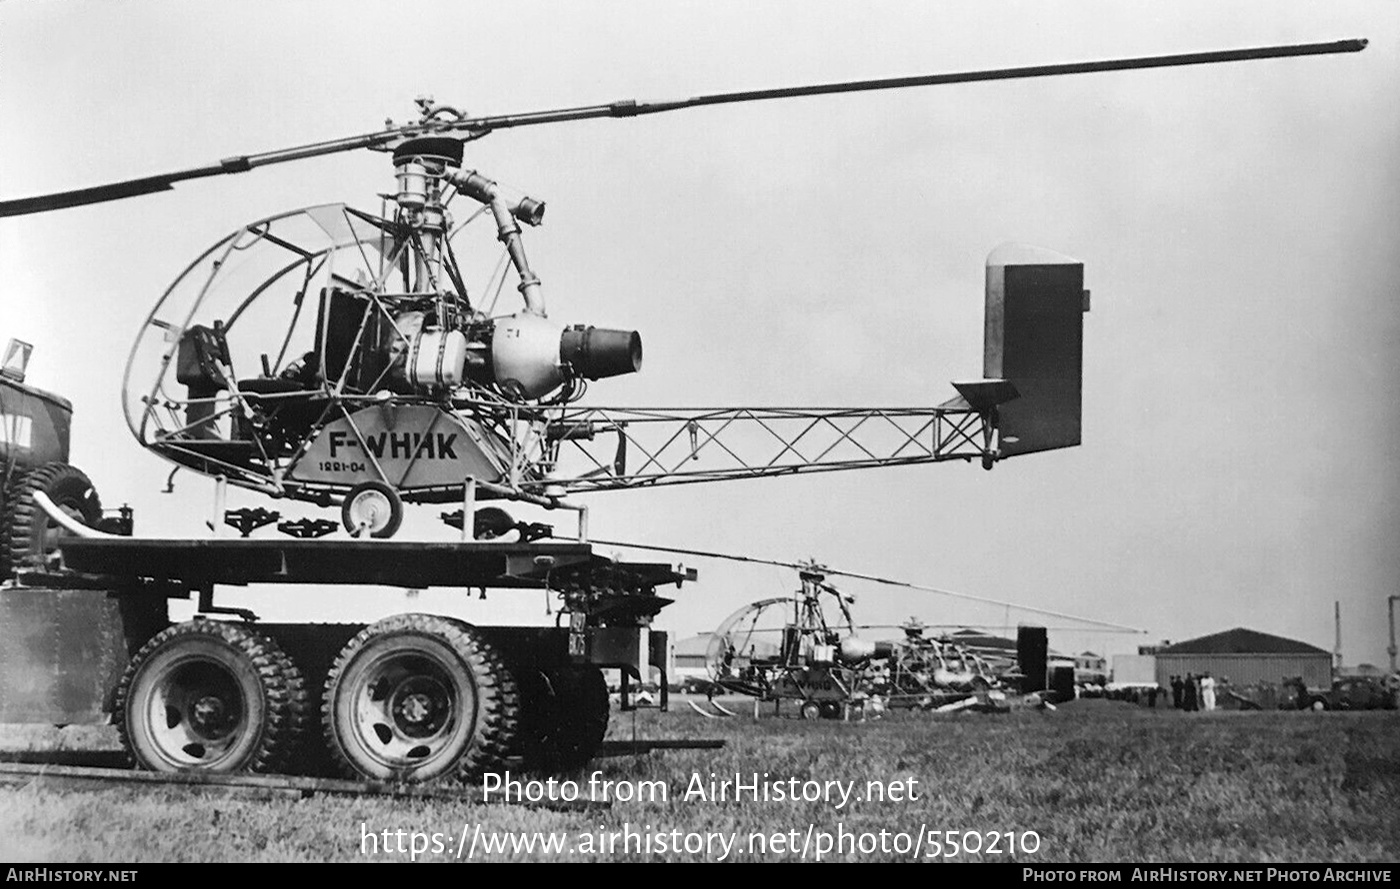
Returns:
(595, 352)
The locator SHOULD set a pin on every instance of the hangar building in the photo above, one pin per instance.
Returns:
(1246, 657)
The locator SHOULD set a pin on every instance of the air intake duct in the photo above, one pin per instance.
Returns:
(596, 352)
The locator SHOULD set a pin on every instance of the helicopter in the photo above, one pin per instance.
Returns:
(788, 649)
(335, 355)
(799, 656)
(795, 648)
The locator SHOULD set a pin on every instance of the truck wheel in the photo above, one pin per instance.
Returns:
(564, 717)
(416, 697)
(28, 537)
(211, 696)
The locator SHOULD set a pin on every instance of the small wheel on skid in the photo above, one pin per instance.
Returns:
(372, 508)
(28, 536)
(563, 717)
(416, 697)
(811, 710)
(211, 696)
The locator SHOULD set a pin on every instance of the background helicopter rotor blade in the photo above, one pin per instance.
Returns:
(982, 626)
(827, 571)
(476, 127)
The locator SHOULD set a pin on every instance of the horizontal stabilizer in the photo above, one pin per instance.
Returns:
(983, 395)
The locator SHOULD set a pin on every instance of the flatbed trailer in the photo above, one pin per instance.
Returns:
(411, 698)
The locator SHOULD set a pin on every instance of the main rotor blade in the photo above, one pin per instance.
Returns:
(475, 127)
(239, 164)
(115, 191)
(633, 108)
(827, 571)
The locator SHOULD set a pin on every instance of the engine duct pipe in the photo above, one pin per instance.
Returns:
(527, 210)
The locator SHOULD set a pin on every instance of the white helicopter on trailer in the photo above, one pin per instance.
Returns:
(336, 355)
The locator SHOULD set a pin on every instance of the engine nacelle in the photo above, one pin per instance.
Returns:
(531, 355)
(854, 650)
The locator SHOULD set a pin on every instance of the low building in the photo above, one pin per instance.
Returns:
(1135, 669)
(1090, 668)
(1245, 657)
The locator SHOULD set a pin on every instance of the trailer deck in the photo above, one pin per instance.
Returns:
(411, 564)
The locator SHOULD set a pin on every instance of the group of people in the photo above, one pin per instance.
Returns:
(1193, 692)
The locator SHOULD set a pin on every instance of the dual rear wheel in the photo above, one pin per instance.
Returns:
(212, 696)
(416, 697)
(412, 698)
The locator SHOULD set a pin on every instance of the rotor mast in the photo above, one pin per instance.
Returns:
(424, 170)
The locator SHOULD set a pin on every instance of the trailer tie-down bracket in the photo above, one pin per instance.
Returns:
(207, 606)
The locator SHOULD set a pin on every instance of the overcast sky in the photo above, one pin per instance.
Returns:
(1238, 223)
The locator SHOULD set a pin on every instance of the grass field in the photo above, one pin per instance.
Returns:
(1093, 780)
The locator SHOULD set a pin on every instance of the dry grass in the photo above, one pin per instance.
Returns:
(1097, 781)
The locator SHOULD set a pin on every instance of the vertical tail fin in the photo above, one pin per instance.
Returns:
(1035, 338)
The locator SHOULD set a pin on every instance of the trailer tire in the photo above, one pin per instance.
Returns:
(564, 717)
(417, 697)
(28, 537)
(213, 696)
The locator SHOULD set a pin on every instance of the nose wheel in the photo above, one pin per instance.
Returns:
(372, 509)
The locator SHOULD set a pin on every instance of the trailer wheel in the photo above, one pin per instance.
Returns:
(416, 697)
(211, 696)
(564, 717)
(28, 537)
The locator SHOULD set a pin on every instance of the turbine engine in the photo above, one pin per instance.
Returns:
(531, 355)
